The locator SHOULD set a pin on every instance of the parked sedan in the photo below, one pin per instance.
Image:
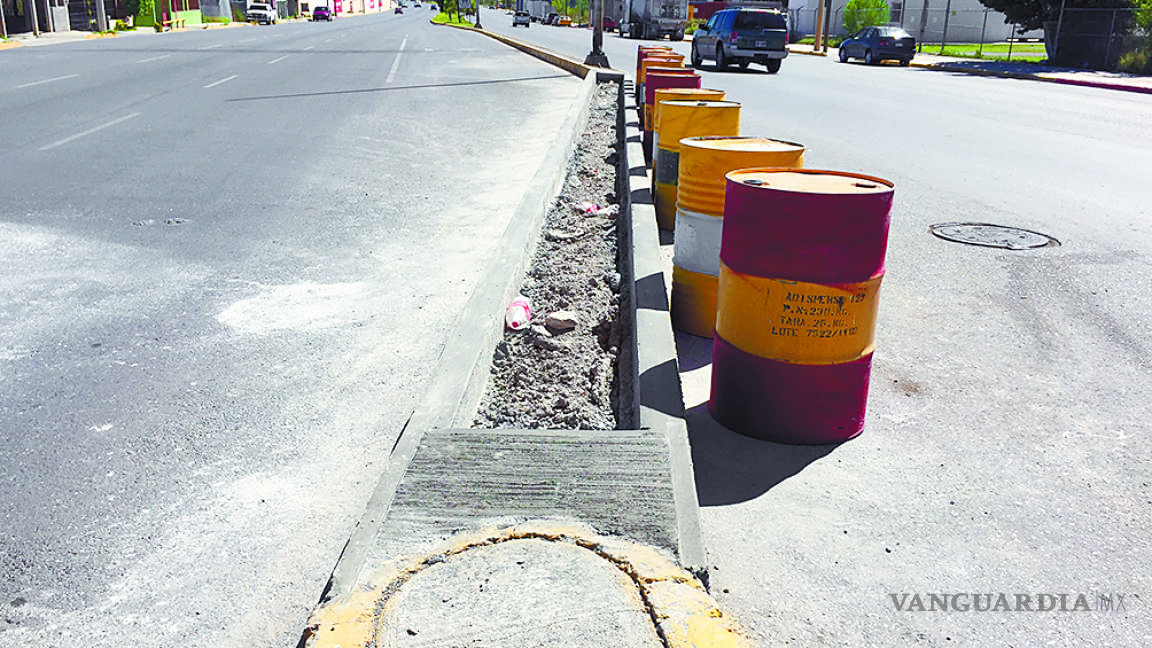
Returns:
(521, 18)
(321, 13)
(881, 43)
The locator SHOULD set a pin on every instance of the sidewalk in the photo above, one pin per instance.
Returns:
(1016, 70)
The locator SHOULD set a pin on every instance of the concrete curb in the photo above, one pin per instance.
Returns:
(555, 58)
(457, 384)
(658, 395)
(682, 612)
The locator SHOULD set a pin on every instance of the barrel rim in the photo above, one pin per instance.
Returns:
(888, 184)
(697, 141)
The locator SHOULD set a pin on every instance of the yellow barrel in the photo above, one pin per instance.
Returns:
(680, 119)
(679, 94)
(704, 161)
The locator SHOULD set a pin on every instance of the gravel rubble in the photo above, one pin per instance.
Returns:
(550, 376)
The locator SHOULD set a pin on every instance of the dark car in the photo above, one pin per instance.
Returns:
(609, 24)
(399, 9)
(742, 36)
(876, 44)
(321, 13)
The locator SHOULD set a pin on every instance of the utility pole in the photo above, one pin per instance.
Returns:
(478, 15)
(817, 46)
(596, 57)
(35, 19)
(101, 16)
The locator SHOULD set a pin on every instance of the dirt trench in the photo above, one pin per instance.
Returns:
(550, 377)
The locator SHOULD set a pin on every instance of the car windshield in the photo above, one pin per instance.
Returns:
(759, 20)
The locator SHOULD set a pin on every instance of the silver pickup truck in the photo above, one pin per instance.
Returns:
(261, 13)
(742, 36)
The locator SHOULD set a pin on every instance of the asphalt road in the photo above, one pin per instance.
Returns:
(1006, 447)
(230, 260)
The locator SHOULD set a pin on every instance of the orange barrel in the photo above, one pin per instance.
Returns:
(704, 161)
(678, 94)
(801, 259)
(667, 60)
(643, 52)
(658, 78)
(680, 119)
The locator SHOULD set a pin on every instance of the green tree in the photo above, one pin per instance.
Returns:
(859, 14)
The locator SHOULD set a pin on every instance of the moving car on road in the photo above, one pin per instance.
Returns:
(881, 43)
(521, 18)
(322, 13)
(742, 36)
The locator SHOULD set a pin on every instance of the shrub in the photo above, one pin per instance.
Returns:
(859, 14)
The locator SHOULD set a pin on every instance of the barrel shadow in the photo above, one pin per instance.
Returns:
(731, 468)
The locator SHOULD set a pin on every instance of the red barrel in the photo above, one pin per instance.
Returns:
(801, 260)
(655, 79)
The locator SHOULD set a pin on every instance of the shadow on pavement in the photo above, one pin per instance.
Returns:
(731, 468)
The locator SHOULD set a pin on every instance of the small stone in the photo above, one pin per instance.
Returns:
(561, 320)
(541, 331)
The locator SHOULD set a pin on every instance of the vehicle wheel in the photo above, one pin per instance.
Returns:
(721, 60)
(905, 62)
(868, 60)
(744, 63)
(773, 66)
(677, 35)
(843, 55)
(696, 58)
(634, 31)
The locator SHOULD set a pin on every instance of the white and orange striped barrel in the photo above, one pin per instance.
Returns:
(704, 161)
(678, 120)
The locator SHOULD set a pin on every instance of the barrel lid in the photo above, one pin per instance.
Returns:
(690, 91)
(813, 181)
(740, 143)
(703, 103)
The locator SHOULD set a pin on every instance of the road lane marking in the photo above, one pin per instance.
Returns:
(59, 78)
(224, 80)
(396, 62)
(309, 47)
(154, 58)
(211, 46)
(88, 132)
(277, 60)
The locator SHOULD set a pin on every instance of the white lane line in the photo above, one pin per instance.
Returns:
(59, 78)
(211, 46)
(277, 60)
(396, 62)
(248, 40)
(309, 47)
(89, 132)
(224, 80)
(154, 58)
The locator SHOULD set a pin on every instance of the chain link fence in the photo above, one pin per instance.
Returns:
(1090, 38)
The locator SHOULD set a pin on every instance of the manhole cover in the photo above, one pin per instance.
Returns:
(988, 235)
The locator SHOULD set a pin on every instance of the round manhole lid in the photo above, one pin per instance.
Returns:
(988, 235)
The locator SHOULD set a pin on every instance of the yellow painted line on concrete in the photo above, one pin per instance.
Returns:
(686, 616)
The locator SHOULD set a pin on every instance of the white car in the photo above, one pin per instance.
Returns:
(521, 18)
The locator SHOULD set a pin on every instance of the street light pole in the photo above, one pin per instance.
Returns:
(478, 15)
